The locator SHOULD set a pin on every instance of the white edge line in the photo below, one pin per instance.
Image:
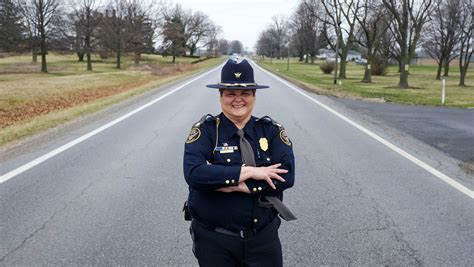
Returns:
(393, 147)
(78, 140)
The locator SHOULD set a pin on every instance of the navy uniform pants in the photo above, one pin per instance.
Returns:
(212, 248)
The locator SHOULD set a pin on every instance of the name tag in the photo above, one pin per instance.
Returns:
(226, 149)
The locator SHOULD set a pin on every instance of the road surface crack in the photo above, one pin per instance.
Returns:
(43, 226)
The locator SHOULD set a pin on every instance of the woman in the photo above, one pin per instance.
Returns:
(237, 166)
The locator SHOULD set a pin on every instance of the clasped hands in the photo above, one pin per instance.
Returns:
(257, 173)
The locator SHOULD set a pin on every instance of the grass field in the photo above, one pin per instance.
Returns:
(425, 89)
(31, 101)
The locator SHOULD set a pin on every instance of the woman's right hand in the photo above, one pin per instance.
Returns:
(263, 173)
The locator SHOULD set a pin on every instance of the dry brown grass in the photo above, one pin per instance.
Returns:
(25, 100)
(31, 101)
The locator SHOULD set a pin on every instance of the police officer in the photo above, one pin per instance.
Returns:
(237, 167)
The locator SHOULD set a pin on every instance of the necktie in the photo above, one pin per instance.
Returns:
(248, 158)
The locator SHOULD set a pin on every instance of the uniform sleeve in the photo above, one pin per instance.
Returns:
(281, 149)
(198, 172)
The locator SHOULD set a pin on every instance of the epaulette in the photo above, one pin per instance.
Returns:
(203, 119)
(268, 119)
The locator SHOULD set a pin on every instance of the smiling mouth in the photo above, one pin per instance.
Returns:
(238, 106)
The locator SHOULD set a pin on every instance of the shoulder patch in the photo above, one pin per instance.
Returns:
(194, 135)
(284, 137)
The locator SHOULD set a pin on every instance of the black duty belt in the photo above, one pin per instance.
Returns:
(249, 233)
(242, 234)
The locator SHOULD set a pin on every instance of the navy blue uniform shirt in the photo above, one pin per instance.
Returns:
(212, 160)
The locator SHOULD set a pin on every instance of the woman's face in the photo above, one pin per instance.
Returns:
(237, 105)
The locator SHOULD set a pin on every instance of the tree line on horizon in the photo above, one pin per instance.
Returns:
(109, 28)
(379, 29)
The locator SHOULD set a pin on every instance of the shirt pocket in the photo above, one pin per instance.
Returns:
(265, 159)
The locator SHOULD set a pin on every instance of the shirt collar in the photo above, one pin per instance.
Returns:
(232, 129)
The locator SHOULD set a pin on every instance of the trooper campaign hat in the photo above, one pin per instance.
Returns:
(237, 75)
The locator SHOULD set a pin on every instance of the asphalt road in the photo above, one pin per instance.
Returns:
(116, 197)
(448, 129)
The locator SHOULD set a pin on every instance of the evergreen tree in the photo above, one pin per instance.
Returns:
(11, 27)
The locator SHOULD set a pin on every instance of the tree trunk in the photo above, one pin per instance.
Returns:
(80, 56)
(301, 57)
(342, 69)
(88, 53)
(462, 77)
(89, 61)
(44, 67)
(137, 58)
(404, 66)
(438, 73)
(34, 56)
(118, 54)
(403, 83)
(368, 72)
(446, 69)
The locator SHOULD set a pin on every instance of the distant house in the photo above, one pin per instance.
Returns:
(330, 55)
(353, 55)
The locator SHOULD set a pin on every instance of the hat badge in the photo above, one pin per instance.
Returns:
(237, 74)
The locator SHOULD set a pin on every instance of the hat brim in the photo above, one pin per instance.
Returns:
(220, 86)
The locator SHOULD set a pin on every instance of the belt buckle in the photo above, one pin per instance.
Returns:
(247, 233)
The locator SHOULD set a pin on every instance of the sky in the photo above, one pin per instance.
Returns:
(241, 20)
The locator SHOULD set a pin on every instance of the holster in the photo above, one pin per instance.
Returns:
(187, 214)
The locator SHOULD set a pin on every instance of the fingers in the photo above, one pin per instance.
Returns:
(270, 183)
(278, 177)
(274, 166)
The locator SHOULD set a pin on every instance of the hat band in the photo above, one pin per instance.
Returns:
(238, 84)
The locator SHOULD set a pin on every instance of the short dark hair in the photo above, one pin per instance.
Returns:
(221, 91)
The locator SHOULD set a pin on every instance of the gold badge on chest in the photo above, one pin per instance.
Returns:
(263, 143)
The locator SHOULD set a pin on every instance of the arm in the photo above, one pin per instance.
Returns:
(198, 173)
(281, 150)
(262, 174)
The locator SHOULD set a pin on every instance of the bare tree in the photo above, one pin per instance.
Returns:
(197, 28)
(305, 29)
(139, 28)
(279, 31)
(211, 41)
(466, 38)
(173, 31)
(441, 34)
(373, 23)
(223, 46)
(340, 20)
(409, 18)
(86, 20)
(264, 44)
(236, 47)
(112, 27)
(41, 15)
